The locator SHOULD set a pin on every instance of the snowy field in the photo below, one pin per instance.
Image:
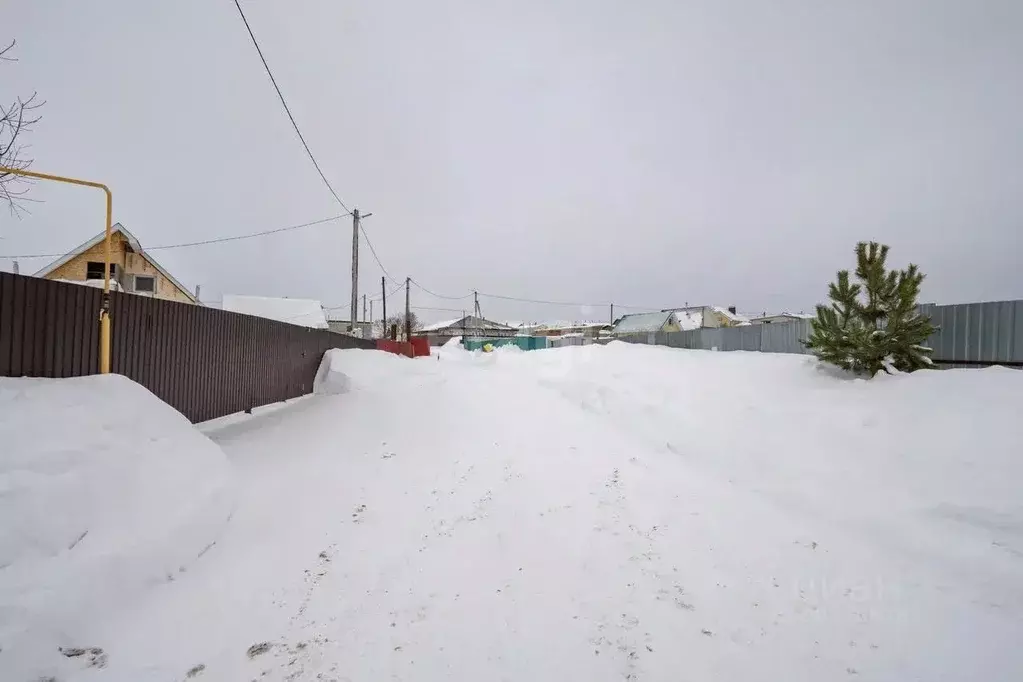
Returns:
(588, 513)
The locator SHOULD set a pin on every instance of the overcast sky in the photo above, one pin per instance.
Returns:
(649, 153)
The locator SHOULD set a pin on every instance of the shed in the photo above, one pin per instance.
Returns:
(440, 333)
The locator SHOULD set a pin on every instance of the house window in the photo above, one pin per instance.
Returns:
(94, 270)
(145, 284)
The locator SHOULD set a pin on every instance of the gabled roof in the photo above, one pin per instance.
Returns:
(734, 317)
(794, 316)
(135, 246)
(301, 311)
(644, 322)
(692, 317)
(689, 320)
(470, 321)
(442, 325)
(563, 324)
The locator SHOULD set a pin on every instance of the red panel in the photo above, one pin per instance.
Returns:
(396, 347)
(420, 347)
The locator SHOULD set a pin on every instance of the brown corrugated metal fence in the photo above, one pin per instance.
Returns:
(205, 362)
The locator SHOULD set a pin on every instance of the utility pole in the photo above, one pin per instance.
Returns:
(354, 310)
(408, 322)
(371, 319)
(612, 313)
(476, 304)
(383, 297)
(364, 307)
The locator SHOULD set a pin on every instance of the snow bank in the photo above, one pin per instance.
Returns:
(894, 457)
(330, 380)
(105, 491)
(832, 526)
(597, 513)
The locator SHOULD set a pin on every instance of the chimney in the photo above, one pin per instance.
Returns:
(731, 309)
(197, 288)
(16, 267)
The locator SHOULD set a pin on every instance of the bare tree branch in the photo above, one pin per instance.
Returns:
(16, 120)
(3, 52)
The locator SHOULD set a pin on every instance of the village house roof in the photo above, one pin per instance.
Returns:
(644, 322)
(132, 242)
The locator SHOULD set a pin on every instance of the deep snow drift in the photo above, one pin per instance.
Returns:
(105, 493)
(604, 513)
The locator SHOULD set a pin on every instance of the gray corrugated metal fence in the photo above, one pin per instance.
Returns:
(785, 338)
(980, 333)
(768, 338)
(968, 333)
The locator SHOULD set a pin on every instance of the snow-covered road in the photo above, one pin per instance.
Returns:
(604, 513)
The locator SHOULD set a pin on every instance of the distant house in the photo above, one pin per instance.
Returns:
(340, 324)
(647, 323)
(132, 269)
(440, 333)
(303, 312)
(589, 330)
(708, 317)
(780, 318)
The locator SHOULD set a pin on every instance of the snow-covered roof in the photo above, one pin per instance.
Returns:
(690, 319)
(734, 317)
(794, 316)
(470, 321)
(135, 246)
(644, 322)
(301, 311)
(441, 325)
(563, 324)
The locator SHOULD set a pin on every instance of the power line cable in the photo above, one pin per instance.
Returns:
(396, 289)
(287, 109)
(424, 307)
(569, 303)
(376, 257)
(450, 298)
(204, 242)
(533, 300)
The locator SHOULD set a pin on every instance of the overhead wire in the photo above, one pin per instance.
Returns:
(326, 182)
(533, 300)
(376, 257)
(432, 293)
(424, 307)
(204, 242)
(287, 109)
(389, 293)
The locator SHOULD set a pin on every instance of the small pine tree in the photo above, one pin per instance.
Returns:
(878, 330)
